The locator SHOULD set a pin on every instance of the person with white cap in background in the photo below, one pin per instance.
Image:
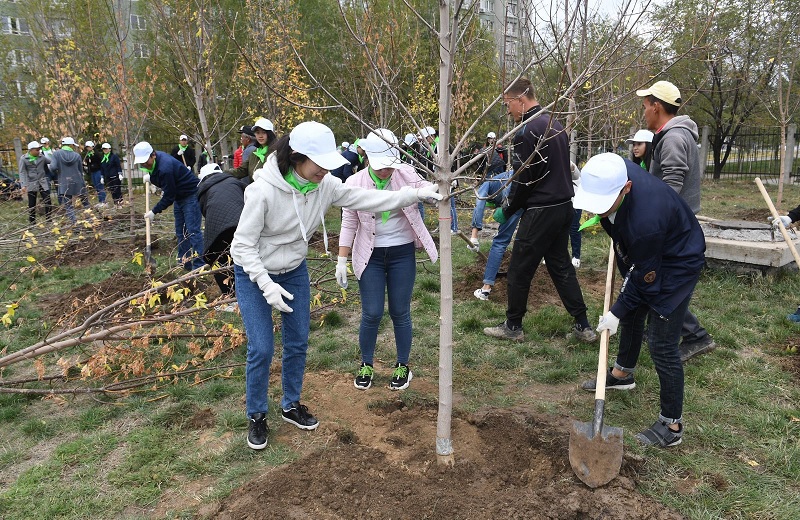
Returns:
(641, 148)
(111, 170)
(264, 132)
(184, 153)
(428, 150)
(660, 250)
(179, 190)
(383, 247)
(676, 160)
(68, 165)
(34, 177)
(221, 198)
(91, 167)
(283, 207)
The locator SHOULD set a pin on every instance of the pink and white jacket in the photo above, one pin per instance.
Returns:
(358, 227)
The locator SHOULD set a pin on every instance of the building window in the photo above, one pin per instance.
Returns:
(140, 50)
(61, 29)
(11, 25)
(18, 57)
(511, 28)
(488, 25)
(138, 23)
(486, 6)
(511, 8)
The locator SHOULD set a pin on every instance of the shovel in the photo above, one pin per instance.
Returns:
(150, 262)
(595, 450)
(775, 216)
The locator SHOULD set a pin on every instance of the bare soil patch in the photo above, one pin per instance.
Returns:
(373, 456)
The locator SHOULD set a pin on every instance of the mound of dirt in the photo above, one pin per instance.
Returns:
(375, 459)
(89, 252)
(83, 301)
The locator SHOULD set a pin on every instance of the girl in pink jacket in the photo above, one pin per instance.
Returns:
(383, 246)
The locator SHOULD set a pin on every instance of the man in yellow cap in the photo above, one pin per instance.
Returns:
(676, 161)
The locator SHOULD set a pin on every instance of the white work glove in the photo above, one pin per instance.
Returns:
(102, 180)
(146, 178)
(180, 152)
(150, 215)
(120, 175)
(274, 294)
(785, 219)
(608, 322)
(429, 192)
(341, 271)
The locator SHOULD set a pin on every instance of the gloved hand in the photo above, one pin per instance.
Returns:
(498, 216)
(608, 322)
(180, 152)
(784, 218)
(146, 178)
(102, 180)
(341, 271)
(429, 192)
(120, 175)
(274, 294)
(150, 215)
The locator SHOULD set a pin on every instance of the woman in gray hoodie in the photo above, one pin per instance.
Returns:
(67, 163)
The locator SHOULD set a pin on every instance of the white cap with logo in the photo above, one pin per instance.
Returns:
(68, 141)
(208, 169)
(184, 137)
(89, 143)
(34, 144)
(142, 152)
(641, 136)
(316, 141)
(106, 145)
(264, 124)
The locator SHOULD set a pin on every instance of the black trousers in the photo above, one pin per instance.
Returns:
(543, 233)
(48, 204)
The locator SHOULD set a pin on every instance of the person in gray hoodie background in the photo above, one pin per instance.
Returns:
(68, 164)
(676, 161)
(34, 178)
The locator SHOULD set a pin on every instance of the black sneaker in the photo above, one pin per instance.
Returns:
(690, 349)
(364, 377)
(660, 435)
(612, 383)
(585, 334)
(257, 436)
(299, 415)
(503, 331)
(400, 377)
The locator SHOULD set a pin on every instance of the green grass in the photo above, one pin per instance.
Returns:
(80, 458)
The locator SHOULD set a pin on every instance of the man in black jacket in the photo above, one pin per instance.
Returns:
(185, 153)
(543, 189)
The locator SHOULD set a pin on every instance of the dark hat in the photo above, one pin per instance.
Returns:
(248, 131)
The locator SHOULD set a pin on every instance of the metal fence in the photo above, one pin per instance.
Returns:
(756, 152)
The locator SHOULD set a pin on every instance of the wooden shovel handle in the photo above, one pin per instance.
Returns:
(147, 220)
(602, 362)
(775, 216)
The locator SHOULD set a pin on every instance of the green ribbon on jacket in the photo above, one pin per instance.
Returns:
(294, 183)
(381, 185)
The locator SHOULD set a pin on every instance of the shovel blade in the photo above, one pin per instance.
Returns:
(595, 459)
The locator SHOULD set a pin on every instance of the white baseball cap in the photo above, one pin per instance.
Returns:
(208, 169)
(34, 144)
(89, 143)
(68, 141)
(602, 178)
(345, 145)
(491, 135)
(141, 152)
(106, 145)
(316, 141)
(428, 131)
(641, 136)
(183, 136)
(381, 148)
(264, 124)
(44, 140)
(410, 139)
(663, 90)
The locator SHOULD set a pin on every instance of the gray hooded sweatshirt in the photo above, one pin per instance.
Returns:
(69, 166)
(676, 159)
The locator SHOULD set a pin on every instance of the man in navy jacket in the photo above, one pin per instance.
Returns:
(660, 251)
(179, 186)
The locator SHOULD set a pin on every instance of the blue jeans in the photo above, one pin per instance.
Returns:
(99, 186)
(453, 215)
(490, 191)
(390, 270)
(575, 235)
(257, 318)
(187, 230)
(499, 245)
(663, 336)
